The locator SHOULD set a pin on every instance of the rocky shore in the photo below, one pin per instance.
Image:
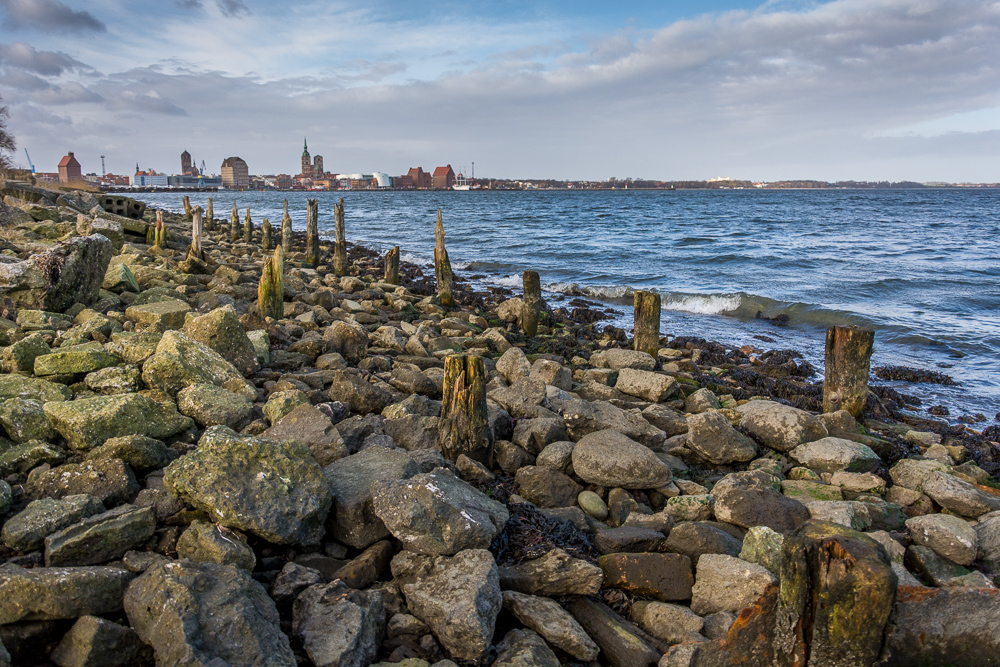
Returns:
(188, 482)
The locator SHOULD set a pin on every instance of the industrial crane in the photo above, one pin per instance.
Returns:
(29, 161)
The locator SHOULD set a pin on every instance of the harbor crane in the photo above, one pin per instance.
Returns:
(29, 161)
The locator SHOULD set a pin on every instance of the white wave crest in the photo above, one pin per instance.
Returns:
(709, 304)
(508, 281)
(595, 291)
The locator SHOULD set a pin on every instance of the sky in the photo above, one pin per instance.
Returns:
(783, 89)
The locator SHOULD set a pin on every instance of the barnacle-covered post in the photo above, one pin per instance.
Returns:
(286, 230)
(464, 427)
(234, 224)
(442, 266)
(647, 322)
(194, 250)
(265, 235)
(271, 289)
(848, 362)
(392, 266)
(340, 240)
(312, 232)
(532, 302)
(209, 222)
(248, 228)
(188, 213)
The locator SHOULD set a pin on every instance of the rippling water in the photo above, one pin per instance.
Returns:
(921, 267)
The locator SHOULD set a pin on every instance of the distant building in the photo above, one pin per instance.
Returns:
(284, 182)
(311, 168)
(47, 177)
(444, 178)
(148, 179)
(187, 168)
(382, 180)
(355, 181)
(194, 181)
(69, 170)
(235, 174)
(415, 178)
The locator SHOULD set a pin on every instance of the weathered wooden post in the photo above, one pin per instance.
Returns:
(234, 224)
(340, 240)
(848, 362)
(271, 289)
(209, 216)
(392, 266)
(265, 235)
(194, 250)
(647, 322)
(442, 266)
(188, 213)
(286, 230)
(464, 427)
(312, 232)
(532, 302)
(157, 234)
(248, 228)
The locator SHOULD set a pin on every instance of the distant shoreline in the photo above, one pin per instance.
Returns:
(935, 188)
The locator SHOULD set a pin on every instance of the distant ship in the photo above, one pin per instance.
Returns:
(463, 183)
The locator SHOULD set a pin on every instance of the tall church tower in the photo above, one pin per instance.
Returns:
(185, 164)
(307, 168)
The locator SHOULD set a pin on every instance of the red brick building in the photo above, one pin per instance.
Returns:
(415, 178)
(69, 170)
(444, 178)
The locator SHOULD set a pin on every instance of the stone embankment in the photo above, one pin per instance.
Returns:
(188, 481)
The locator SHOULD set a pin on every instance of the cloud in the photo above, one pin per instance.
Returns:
(46, 63)
(188, 4)
(48, 16)
(233, 8)
(147, 103)
(62, 94)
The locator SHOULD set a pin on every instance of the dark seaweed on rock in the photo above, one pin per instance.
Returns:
(907, 374)
(529, 534)
(751, 383)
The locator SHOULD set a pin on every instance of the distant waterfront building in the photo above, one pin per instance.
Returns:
(415, 178)
(235, 174)
(311, 168)
(69, 169)
(355, 181)
(181, 181)
(187, 167)
(148, 179)
(382, 179)
(444, 178)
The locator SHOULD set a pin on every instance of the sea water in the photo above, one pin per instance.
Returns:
(921, 267)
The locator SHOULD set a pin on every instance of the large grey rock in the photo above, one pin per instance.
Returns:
(958, 496)
(583, 418)
(101, 538)
(988, 536)
(668, 622)
(833, 454)
(97, 642)
(313, 428)
(513, 365)
(780, 427)
(210, 405)
(211, 543)
(524, 648)
(555, 573)
(339, 626)
(270, 488)
(221, 330)
(27, 530)
(522, 399)
(25, 420)
(608, 458)
(110, 480)
(181, 361)
(912, 473)
(649, 386)
(666, 419)
(618, 359)
(552, 622)
(139, 452)
(353, 519)
(23, 458)
(712, 437)
(347, 338)
(437, 513)
(948, 536)
(198, 614)
(89, 422)
(45, 593)
(363, 396)
(762, 546)
(70, 273)
(697, 538)
(749, 499)
(458, 597)
(724, 583)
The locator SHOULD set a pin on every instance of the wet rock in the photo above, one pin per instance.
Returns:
(209, 543)
(20, 358)
(458, 597)
(60, 592)
(27, 530)
(221, 330)
(270, 488)
(310, 426)
(617, 359)
(958, 496)
(115, 380)
(139, 452)
(608, 458)
(748, 499)
(552, 622)
(24, 420)
(833, 454)
(18, 386)
(513, 365)
(781, 427)
(524, 648)
(201, 613)
(110, 480)
(363, 397)
(280, 403)
(97, 642)
(339, 626)
(671, 623)
(724, 583)
(353, 518)
(100, 538)
(210, 405)
(180, 362)
(712, 438)
(621, 642)
(652, 387)
(696, 538)
(55, 280)
(437, 514)
(74, 359)
(949, 536)
(545, 487)
(292, 580)
(663, 577)
(555, 573)
(89, 422)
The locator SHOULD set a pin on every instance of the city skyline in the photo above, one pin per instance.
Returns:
(876, 90)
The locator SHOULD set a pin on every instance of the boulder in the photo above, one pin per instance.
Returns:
(115, 380)
(339, 626)
(348, 339)
(70, 273)
(555, 573)
(524, 648)
(89, 422)
(948, 536)
(44, 593)
(313, 428)
(667, 622)
(180, 362)
(958, 496)
(617, 359)
(353, 519)
(73, 359)
(210, 543)
(211, 405)
(608, 458)
(27, 530)
(513, 365)
(437, 514)
(912, 473)
(24, 420)
(762, 546)
(711, 437)
(545, 487)
(220, 329)
(36, 389)
(202, 614)
(700, 401)
(725, 583)
(621, 642)
(110, 480)
(363, 396)
(749, 499)
(780, 427)
(139, 452)
(101, 537)
(583, 418)
(696, 538)
(168, 314)
(649, 386)
(280, 403)
(20, 358)
(666, 419)
(552, 622)
(663, 577)
(458, 597)
(97, 642)
(522, 399)
(833, 454)
(270, 488)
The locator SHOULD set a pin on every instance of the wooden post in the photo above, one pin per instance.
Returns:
(271, 290)
(194, 250)
(464, 427)
(265, 235)
(848, 361)
(209, 216)
(392, 266)
(157, 234)
(234, 224)
(286, 230)
(312, 232)
(248, 228)
(647, 322)
(188, 213)
(532, 302)
(340, 265)
(442, 266)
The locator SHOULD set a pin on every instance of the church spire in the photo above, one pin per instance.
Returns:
(305, 147)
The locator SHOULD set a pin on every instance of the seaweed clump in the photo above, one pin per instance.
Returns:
(907, 374)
